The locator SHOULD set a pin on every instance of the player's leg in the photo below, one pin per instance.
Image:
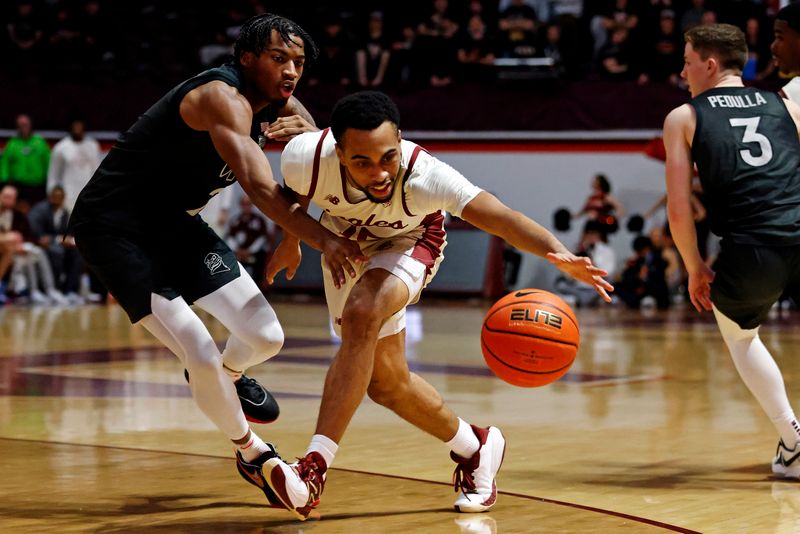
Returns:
(129, 273)
(742, 300)
(477, 451)
(256, 333)
(205, 272)
(359, 310)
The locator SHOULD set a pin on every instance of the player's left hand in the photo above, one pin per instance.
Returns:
(580, 268)
(287, 128)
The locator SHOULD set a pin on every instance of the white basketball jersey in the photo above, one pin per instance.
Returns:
(792, 90)
(424, 188)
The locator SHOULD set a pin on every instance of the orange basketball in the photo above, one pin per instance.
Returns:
(530, 337)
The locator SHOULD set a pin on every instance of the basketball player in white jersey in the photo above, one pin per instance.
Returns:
(390, 195)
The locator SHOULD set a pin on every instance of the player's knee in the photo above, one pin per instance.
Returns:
(266, 340)
(362, 311)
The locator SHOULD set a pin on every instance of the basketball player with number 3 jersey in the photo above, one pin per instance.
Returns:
(744, 142)
(390, 195)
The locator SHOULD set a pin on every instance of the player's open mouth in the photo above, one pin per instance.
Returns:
(381, 191)
(287, 89)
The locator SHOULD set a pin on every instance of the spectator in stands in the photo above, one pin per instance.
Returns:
(252, 237)
(621, 15)
(24, 164)
(26, 36)
(404, 50)
(552, 47)
(48, 223)
(72, 162)
(616, 58)
(218, 51)
(675, 273)
(759, 63)
(644, 276)
(65, 42)
(663, 56)
(475, 51)
(693, 16)
(30, 263)
(96, 29)
(336, 57)
(436, 44)
(518, 24)
(373, 53)
(602, 206)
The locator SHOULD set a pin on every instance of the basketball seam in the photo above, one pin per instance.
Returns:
(513, 333)
(566, 314)
(525, 370)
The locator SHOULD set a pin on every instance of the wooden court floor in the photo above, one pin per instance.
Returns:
(651, 431)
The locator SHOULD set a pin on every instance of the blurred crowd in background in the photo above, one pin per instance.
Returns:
(427, 42)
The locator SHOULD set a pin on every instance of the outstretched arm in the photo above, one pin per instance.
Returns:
(226, 115)
(677, 126)
(489, 214)
(293, 120)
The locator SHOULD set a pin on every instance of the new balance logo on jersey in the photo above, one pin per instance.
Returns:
(227, 173)
(215, 264)
(332, 199)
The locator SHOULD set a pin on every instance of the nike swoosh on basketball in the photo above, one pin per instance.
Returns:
(524, 293)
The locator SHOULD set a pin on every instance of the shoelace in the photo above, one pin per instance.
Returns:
(463, 478)
(309, 472)
(245, 383)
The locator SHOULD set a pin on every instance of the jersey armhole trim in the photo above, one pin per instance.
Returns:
(411, 162)
(315, 170)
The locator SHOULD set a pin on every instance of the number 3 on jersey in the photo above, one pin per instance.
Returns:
(750, 126)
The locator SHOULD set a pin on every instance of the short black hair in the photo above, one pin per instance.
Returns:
(365, 110)
(256, 33)
(641, 243)
(602, 181)
(790, 14)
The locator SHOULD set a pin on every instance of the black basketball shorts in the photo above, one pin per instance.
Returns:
(185, 258)
(750, 279)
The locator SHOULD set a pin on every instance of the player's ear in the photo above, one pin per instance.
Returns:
(399, 134)
(339, 153)
(247, 59)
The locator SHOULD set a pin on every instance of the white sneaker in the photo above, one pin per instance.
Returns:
(37, 297)
(474, 478)
(785, 463)
(57, 297)
(74, 299)
(298, 486)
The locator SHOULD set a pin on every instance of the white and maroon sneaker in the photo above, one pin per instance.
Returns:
(298, 486)
(474, 478)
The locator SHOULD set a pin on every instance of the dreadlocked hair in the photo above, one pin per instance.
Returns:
(256, 33)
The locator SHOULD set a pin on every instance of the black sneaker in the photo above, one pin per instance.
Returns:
(252, 473)
(258, 404)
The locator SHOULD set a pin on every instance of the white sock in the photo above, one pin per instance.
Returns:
(761, 375)
(465, 443)
(253, 448)
(325, 446)
(235, 375)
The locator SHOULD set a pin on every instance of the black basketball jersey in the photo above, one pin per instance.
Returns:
(161, 167)
(747, 153)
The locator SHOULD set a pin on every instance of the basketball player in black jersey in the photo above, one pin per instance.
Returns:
(136, 223)
(744, 142)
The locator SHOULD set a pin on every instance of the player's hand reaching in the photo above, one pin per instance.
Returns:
(287, 256)
(339, 254)
(284, 129)
(700, 287)
(581, 268)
